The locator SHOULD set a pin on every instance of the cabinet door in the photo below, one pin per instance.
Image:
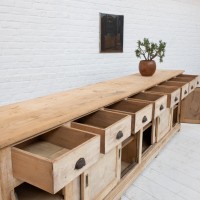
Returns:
(163, 124)
(104, 175)
(190, 108)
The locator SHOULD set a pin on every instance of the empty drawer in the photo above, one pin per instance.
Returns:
(184, 87)
(52, 160)
(141, 112)
(159, 101)
(112, 127)
(190, 80)
(173, 94)
(192, 76)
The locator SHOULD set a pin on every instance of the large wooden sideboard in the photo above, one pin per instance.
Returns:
(92, 142)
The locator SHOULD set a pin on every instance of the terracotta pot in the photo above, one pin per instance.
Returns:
(147, 67)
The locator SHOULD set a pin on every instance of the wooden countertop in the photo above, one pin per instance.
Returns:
(26, 119)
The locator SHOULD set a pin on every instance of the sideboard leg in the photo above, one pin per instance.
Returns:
(153, 131)
(6, 177)
(139, 145)
(68, 192)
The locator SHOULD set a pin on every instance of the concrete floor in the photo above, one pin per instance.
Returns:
(175, 173)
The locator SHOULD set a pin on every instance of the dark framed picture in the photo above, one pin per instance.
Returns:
(111, 33)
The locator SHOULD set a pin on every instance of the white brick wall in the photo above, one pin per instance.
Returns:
(48, 46)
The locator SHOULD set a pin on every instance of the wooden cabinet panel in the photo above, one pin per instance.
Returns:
(163, 124)
(190, 108)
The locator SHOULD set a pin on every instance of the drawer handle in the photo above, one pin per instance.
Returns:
(192, 88)
(176, 99)
(80, 163)
(185, 92)
(144, 119)
(161, 107)
(119, 135)
(197, 82)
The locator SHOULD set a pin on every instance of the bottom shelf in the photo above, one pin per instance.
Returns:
(126, 167)
(29, 192)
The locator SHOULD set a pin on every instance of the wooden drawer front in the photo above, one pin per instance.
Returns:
(192, 85)
(141, 112)
(141, 115)
(103, 176)
(184, 91)
(197, 77)
(160, 106)
(198, 81)
(159, 101)
(52, 160)
(112, 127)
(184, 87)
(172, 92)
(175, 97)
(163, 124)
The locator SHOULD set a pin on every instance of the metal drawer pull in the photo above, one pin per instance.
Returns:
(144, 119)
(176, 99)
(197, 82)
(119, 135)
(185, 92)
(192, 88)
(80, 163)
(161, 107)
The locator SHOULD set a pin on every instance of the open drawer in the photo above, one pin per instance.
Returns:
(159, 101)
(190, 80)
(197, 77)
(184, 87)
(52, 160)
(112, 127)
(141, 112)
(173, 94)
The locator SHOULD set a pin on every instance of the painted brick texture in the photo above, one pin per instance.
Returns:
(48, 46)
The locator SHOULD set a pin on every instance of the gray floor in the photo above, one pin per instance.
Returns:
(175, 173)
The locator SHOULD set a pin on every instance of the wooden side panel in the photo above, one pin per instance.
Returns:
(7, 181)
(92, 129)
(190, 108)
(32, 169)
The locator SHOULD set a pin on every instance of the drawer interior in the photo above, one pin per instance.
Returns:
(187, 75)
(101, 119)
(128, 106)
(147, 96)
(146, 140)
(55, 143)
(175, 116)
(163, 89)
(129, 154)
(29, 192)
(183, 79)
(173, 83)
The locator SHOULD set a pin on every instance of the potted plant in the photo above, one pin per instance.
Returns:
(149, 50)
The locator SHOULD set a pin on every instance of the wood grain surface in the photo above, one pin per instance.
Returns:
(26, 119)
